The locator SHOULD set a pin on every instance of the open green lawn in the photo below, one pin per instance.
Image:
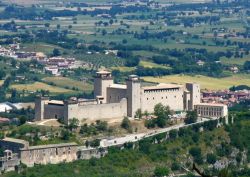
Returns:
(38, 86)
(206, 82)
(69, 83)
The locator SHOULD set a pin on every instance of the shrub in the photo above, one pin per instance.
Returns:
(161, 171)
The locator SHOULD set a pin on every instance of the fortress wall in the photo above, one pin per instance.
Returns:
(114, 95)
(173, 99)
(53, 111)
(97, 111)
(50, 155)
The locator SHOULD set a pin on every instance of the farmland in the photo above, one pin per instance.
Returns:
(69, 83)
(206, 82)
(153, 40)
(148, 64)
(39, 86)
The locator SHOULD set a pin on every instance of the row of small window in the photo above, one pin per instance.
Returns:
(162, 97)
(210, 113)
(209, 109)
(163, 90)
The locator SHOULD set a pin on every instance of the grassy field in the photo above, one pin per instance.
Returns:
(40, 47)
(123, 68)
(144, 53)
(69, 83)
(148, 64)
(206, 82)
(235, 61)
(1, 82)
(38, 86)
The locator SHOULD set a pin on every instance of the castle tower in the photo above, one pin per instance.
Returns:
(39, 108)
(195, 94)
(102, 81)
(133, 95)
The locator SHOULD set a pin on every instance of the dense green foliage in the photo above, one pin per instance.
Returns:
(191, 117)
(162, 114)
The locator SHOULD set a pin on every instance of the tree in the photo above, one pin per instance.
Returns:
(162, 111)
(161, 122)
(173, 134)
(47, 25)
(150, 123)
(191, 117)
(211, 158)
(1, 152)
(13, 63)
(196, 153)
(247, 66)
(95, 143)
(104, 32)
(2, 135)
(111, 21)
(225, 173)
(101, 125)
(124, 41)
(56, 52)
(2, 74)
(22, 120)
(73, 124)
(65, 134)
(175, 166)
(161, 171)
(14, 93)
(126, 124)
(138, 114)
(58, 26)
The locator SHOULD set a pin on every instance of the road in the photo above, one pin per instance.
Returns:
(138, 136)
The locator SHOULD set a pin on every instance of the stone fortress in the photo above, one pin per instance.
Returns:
(117, 101)
(111, 101)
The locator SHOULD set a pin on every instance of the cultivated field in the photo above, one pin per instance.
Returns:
(40, 47)
(148, 64)
(69, 83)
(40, 86)
(235, 61)
(206, 82)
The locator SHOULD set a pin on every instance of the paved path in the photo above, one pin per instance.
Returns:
(138, 136)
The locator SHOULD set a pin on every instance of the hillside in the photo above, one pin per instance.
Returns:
(179, 151)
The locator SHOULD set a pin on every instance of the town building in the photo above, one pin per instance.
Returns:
(211, 110)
